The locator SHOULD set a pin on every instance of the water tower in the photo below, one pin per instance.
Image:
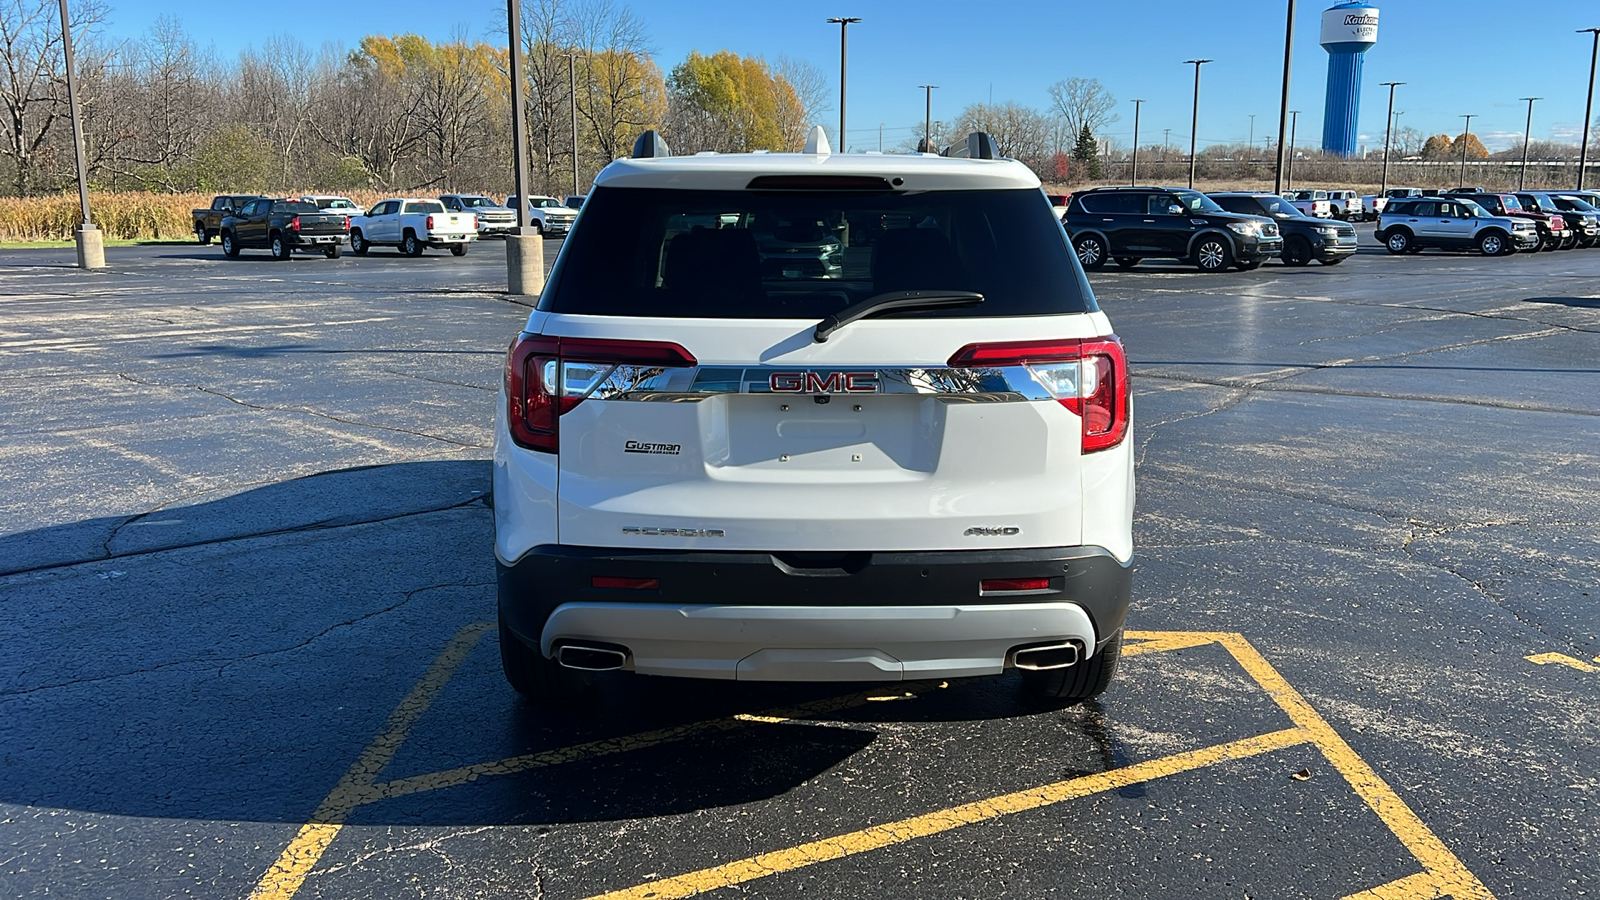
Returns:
(1348, 31)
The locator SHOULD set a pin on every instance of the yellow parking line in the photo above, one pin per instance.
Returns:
(878, 836)
(1561, 659)
(434, 781)
(1442, 866)
(1161, 641)
(1411, 887)
(283, 880)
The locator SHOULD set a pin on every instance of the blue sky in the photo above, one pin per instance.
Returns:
(1457, 56)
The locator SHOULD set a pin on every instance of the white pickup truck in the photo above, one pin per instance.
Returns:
(413, 225)
(1311, 203)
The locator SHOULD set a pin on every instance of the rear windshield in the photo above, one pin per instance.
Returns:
(298, 207)
(778, 255)
(337, 203)
(424, 206)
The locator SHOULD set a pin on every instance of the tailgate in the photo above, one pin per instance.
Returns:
(322, 223)
(773, 442)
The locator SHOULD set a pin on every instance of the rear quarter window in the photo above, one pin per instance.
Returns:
(808, 254)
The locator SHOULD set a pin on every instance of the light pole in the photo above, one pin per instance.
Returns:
(572, 94)
(1464, 134)
(1133, 178)
(1527, 132)
(844, 23)
(1166, 140)
(1388, 126)
(927, 118)
(524, 252)
(91, 248)
(1252, 136)
(1194, 120)
(1294, 125)
(1588, 106)
(1283, 101)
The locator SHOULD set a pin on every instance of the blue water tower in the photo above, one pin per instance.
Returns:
(1348, 31)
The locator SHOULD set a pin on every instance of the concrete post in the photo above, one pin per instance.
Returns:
(91, 249)
(525, 263)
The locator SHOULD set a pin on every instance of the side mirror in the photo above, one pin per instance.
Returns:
(1174, 210)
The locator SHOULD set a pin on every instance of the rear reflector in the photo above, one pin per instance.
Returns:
(610, 583)
(1013, 585)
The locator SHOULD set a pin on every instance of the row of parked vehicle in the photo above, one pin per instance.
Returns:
(1491, 222)
(326, 223)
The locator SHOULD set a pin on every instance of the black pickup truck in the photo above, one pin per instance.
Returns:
(284, 226)
(208, 221)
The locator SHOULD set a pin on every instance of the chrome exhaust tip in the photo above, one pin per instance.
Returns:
(591, 659)
(1047, 656)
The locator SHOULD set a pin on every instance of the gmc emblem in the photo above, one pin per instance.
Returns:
(820, 383)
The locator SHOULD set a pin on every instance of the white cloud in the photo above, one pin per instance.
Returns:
(1500, 140)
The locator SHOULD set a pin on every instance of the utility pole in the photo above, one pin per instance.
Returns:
(572, 94)
(844, 23)
(1588, 106)
(1294, 124)
(1388, 123)
(1166, 139)
(1527, 132)
(1283, 101)
(1469, 117)
(1194, 121)
(1252, 136)
(927, 118)
(91, 247)
(524, 252)
(1133, 178)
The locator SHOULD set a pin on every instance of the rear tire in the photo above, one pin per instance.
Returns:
(458, 249)
(1075, 684)
(1091, 250)
(410, 246)
(536, 677)
(1399, 242)
(333, 252)
(201, 235)
(358, 243)
(281, 250)
(1297, 252)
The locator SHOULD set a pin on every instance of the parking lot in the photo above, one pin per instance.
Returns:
(248, 593)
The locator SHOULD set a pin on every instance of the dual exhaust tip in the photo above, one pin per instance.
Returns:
(597, 658)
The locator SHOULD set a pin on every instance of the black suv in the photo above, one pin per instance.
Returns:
(1133, 223)
(1304, 238)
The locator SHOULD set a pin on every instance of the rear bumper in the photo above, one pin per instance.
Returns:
(852, 617)
(316, 241)
(440, 241)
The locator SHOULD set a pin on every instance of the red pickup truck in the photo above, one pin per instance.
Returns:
(1553, 230)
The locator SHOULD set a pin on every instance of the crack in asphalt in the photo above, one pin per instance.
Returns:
(480, 500)
(304, 411)
(232, 660)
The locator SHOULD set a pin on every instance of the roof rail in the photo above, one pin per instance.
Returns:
(651, 145)
(978, 146)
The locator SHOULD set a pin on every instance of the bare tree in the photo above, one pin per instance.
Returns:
(810, 87)
(622, 92)
(1017, 131)
(1080, 102)
(33, 77)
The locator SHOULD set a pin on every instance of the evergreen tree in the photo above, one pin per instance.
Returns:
(1087, 153)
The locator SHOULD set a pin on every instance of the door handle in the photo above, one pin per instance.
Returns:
(1108, 220)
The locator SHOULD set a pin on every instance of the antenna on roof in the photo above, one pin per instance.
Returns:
(817, 142)
(651, 145)
(978, 145)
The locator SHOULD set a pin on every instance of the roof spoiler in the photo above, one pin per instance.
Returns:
(978, 146)
(651, 145)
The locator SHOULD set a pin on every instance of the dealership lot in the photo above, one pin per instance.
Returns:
(246, 574)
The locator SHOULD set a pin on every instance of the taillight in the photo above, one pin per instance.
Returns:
(430, 223)
(294, 224)
(474, 225)
(547, 377)
(346, 223)
(1088, 377)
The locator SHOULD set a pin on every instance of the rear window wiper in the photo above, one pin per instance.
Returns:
(893, 301)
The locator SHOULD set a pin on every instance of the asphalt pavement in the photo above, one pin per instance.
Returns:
(246, 576)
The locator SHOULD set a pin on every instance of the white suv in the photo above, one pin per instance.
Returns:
(814, 417)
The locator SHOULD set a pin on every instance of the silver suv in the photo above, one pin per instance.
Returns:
(1412, 224)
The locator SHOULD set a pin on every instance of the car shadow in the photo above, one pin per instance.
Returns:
(229, 659)
(1580, 302)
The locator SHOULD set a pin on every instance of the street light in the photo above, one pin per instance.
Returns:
(91, 249)
(1527, 132)
(1388, 126)
(1133, 178)
(844, 23)
(1294, 124)
(1588, 106)
(524, 252)
(1464, 134)
(1252, 136)
(1283, 101)
(927, 118)
(1194, 120)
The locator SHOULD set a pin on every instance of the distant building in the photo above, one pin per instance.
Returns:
(1349, 30)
